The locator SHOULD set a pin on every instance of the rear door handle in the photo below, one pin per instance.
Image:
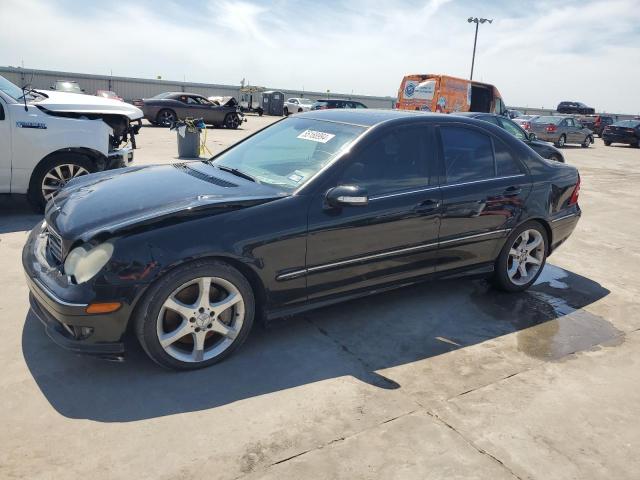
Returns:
(513, 191)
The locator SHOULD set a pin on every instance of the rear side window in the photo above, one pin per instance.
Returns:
(468, 154)
(506, 164)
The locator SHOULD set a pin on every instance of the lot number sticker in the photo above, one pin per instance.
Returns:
(315, 136)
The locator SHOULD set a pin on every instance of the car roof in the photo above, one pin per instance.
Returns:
(370, 117)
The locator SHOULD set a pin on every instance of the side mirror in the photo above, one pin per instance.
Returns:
(532, 136)
(347, 195)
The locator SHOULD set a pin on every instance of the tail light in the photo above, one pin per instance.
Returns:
(397, 105)
(576, 192)
(551, 128)
(597, 122)
(527, 126)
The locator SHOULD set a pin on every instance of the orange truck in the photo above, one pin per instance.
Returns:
(442, 93)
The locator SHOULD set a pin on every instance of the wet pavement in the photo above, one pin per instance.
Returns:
(438, 380)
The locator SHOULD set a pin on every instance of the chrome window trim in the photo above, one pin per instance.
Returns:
(408, 192)
(326, 266)
(54, 297)
(448, 185)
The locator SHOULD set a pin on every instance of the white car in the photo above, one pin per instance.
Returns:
(296, 105)
(48, 137)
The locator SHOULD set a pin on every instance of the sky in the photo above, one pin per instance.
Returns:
(536, 52)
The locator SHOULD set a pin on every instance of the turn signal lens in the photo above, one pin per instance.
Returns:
(103, 307)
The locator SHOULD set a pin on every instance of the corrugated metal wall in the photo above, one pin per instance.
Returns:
(130, 88)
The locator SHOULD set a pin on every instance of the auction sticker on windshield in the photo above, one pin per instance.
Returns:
(316, 136)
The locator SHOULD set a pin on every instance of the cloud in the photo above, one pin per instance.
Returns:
(536, 53)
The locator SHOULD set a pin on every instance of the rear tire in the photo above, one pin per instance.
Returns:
(166, 117)
(52, 174)
(527, 245)
(286, 112)
(607, 143)
(561, 141)
(555, 158)
(192, 337)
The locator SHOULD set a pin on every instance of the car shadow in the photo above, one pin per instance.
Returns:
(16, 215)
(356, 338)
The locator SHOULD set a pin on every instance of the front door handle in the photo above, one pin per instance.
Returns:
(428, 206)
(513, 191)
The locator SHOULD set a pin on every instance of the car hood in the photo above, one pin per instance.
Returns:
(116, 200)
(79, 103)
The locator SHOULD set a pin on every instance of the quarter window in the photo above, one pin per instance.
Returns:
(468, 154)
(506, 164)
(392, 163)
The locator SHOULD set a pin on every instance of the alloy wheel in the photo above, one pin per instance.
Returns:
(233, 121)
(200, 319)
(561, 141)
(525, 257)
(58, 176)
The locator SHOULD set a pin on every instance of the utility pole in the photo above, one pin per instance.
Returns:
(477, 21)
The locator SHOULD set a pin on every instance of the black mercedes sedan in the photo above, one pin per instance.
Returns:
(544, 149)
(624, 131)
(317, 208)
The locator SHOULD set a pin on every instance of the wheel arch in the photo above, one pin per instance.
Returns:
(98, 157)
(257, 286)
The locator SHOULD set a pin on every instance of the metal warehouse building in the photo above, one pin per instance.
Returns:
(130, 88)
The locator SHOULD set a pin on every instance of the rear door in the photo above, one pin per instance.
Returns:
(392, 238)
(574, 131)
(483, 195)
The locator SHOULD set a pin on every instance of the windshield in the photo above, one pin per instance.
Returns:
(10, 89)
(291, 152)
(554, 120)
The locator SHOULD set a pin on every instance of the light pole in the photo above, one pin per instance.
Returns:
(477, 21)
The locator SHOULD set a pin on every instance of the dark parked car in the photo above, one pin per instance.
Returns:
(596, 123)
(166, 108)
(544, 149)
(69, 86)
(336, 103)
(624, 131)
(561, 130)
(317, 208)
(574, 107)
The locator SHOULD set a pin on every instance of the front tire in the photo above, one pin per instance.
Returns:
(522, 258)
(53, 174)
(232, 121)
(587, 142)
(607, 143)
(196, 315)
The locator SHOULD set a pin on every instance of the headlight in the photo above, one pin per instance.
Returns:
(84, 262)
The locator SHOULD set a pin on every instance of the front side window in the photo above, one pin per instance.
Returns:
(468, 154)
(570, 122)
(392, 163)
(290, 152)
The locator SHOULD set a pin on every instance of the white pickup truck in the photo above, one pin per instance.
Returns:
(48, 138)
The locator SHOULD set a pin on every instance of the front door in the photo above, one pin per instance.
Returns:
(393, 237)
(5, 148)
(483, 195)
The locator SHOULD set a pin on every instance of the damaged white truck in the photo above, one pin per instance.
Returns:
(47, 138)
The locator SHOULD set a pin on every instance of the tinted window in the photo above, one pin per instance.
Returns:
(513, 129)
(468, 154)
(506, 164)
(488, 118)
(392, 163)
